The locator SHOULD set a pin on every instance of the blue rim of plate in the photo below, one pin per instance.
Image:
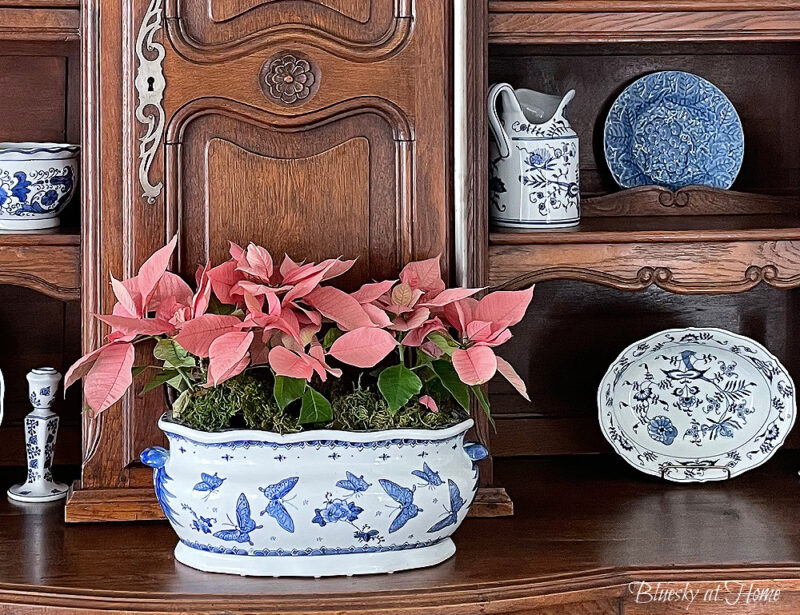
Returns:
(633, 454)
(620, 133)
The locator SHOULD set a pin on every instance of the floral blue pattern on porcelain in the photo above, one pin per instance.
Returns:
(41, 431)
(673, 129)
(347, 502)
(533, 160)
(37, 181)
(696, 404)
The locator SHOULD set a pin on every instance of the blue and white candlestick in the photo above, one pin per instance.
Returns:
(41, 428)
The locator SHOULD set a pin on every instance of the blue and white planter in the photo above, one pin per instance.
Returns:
(37, 181)
(317, 503)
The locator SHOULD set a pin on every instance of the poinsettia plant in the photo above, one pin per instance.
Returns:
(416, 339)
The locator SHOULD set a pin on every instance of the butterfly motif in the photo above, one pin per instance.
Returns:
(354, 483)
(456, 503)
(431, 478)
(244, 523)
(366, 535)
(404, 497)
(208, 483)
(275, 508)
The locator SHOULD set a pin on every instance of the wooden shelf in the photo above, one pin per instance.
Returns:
(585, 527)
(46, 261)
(45, 20)
(660, 229)
(558, 21)
(695, 240)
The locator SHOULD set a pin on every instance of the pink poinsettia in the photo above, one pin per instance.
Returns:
(249, 313)
(483, 325)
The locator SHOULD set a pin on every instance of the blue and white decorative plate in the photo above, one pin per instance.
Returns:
(694, 405)
(673, 129)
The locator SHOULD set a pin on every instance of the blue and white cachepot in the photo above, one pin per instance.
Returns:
(315, 503)
(533, 161)
(37, 181)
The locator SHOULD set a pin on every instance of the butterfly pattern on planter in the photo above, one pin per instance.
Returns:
(431, 479)
(209, 483)
(243, 526)
(356, 512)
(405, 498)
(275, 495)
(456, 503)
(354, 483)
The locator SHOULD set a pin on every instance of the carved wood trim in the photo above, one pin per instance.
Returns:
(663, 277)
(387, 111)
(692, 200)
(21, 278)
(391, 113)
(287, 35)
(289, 78)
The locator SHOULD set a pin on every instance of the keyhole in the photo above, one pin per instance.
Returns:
(150, 82)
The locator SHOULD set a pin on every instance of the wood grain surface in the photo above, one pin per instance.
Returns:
(585, 528)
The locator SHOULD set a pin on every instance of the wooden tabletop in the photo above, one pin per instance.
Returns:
(585, 527)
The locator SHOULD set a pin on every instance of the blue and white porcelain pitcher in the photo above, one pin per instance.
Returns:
(533, 160)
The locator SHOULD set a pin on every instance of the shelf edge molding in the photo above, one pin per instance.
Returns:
(53, 270)
(39, 24)
(681, 268)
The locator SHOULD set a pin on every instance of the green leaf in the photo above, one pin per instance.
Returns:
(136, 371)
(286, 390)
(484, 402)
(449, 378)
(160, 379)
(398, 384)
(215, 306)
(331, 336)
(180, 404)
(315, 408)
(173, 354)
(446, 345)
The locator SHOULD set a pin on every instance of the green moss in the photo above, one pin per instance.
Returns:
(365, 410)
(247, 401)
(243, 401)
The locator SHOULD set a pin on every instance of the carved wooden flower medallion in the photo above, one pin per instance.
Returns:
(289, 78)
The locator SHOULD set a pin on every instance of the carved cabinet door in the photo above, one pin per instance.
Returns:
(317, 128)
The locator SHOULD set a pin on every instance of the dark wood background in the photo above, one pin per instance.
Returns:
(41, 82)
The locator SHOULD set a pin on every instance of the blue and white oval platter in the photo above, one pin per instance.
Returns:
(673, 129)
(695, 405)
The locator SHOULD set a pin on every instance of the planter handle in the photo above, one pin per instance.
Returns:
(155, 457)
(476, 451)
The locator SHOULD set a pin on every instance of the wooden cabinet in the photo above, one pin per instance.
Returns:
(313, 128)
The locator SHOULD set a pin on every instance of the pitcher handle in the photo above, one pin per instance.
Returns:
(156, 457)
(510, 100)
(563, 104)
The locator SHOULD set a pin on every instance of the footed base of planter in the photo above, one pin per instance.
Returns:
(315, 566)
